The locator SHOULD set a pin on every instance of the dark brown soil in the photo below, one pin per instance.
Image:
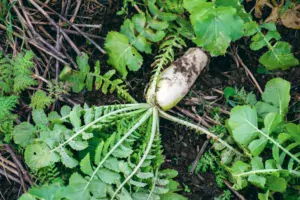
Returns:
(180, 148)
(9, 190)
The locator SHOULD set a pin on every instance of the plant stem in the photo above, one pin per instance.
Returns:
(275, 143)
(126, 135)
(198, 128)
(154, 184)
(96, 121)
(107, 106)
(153, 132)
(266, 171)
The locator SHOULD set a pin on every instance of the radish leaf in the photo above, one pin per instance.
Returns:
(215, 26)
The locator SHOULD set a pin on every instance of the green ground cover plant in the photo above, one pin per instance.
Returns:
(272, 141)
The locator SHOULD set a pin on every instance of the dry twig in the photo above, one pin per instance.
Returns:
(72, 25)
(237, 194)
(76, 49)
(200, 153)
(9, 176)
(193, 116)
(20, 167)
(249, 73)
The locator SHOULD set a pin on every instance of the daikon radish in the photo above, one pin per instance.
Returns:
(176, 80)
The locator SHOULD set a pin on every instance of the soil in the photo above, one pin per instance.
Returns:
(182, 145)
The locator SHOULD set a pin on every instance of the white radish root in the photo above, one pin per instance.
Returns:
(175, 81)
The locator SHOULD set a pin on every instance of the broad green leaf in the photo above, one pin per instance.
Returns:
(108, 143)
(232, 3)
(38, 155)
(277, 94)
(75, 117)
(144, 175)
(122, 54)
(88, 116)
(24, 134)
(145, 196)
(243, 123)
(215, 27)
(86, 136)
(46, 192)
(67, 159)
(77, 188)
(76, 78)
(112, 164)
(162, 181)
(192, 5)
(271, 121)
(250, 28)
(85, 165)
(270, 164)
(54, 116)
(282, 137)
(173, 186)
(264, 196)
(279, 57)
(161, 190)
(82, 62)
(258, 145)
(52, 138)
(78, 145)
(237, 168)
(229, 92)
(264, 108)
(158, 25)
(155, 11)
(27, 196)
(124, 195)
(258, 181)
(271, 26)
(275, 153)
(120, 153)
(256, 163)
(154, 36)
(105, 85)
(294, 131)
(255, 179)
(39, 117)
(98, 188)
(98, 152)
(137, 183)
(172, 196)
(108, 176)
(124, 168)
(169, 173)
(138, 23)
(260, 40)
(127, 29)
(276, 184)
(65, 111)
(226, 157)
(146, 163)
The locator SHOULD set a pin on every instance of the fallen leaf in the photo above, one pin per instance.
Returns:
(291, 17)
(259, 5)
(275, 14)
